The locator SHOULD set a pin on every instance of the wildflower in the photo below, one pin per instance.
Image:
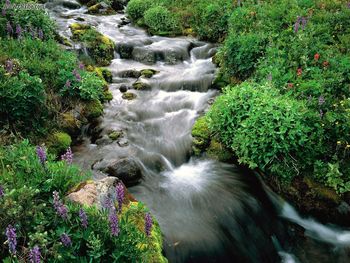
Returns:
(290, 85)
(3, 12)
(339, 142)
(60, 208)
(77, 75)
(18, 31)
(108, 204)
(7, 3)
(316, 57)
(40, 152)
(35, 255)
(304, 22)
(297, 24)
(148, 224)
(68, 84)
(66, 241)
(321, 100)
(325, 64)
(11, 239)
(299, 72)
(68, 156)
(114, 223)
(83, 218)
(41, 34)
(9, 28)
(81, 65)
(321, 113)
(2, 193)
(120, 195)
(9, 66)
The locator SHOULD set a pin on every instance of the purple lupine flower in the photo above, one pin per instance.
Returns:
(321, 113)
(41, 34)
(304, 21)
(113, 223)
(119, 190)
(81, 65)
(9, 28)
(68, 84)
(297, 24)
(108, 203)
(321, 100)
(18, 31)
(2, 193)
(148, 224)
(11, 239)
(35, 255)
(68, 156)
(7, 3)
(41, 153)
(83, 218)
(66, 241)
(78, 77)
(60, 208)
(9, 66)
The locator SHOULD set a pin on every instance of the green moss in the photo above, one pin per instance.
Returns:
(218, 151)
(129, 96)
(93, 109)
(138, 85)
(201, 135)
(70, 123)
(148, 73)
(115, 135)
(104, 74)
(59, 143)
(108, 96)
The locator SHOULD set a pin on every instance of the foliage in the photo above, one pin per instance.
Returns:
(266, 129)
(27, 205)
(59, 142)
(161, 21)
(137, 8)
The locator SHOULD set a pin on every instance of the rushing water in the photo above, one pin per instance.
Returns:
(208, 211)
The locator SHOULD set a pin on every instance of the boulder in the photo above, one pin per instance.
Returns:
(126, 169)
(148, 73)
(115, 135)
(123, 88)
(129, 96)
(119, 5)
(125, 50)
(71, 4)
(130, 73)
(139, 85)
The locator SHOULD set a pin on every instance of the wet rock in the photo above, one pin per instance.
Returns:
(125, 50)
(70, 123)
(123, 142)
(123, 88)
(100, 9)
(80, 19)
(201, 135)
(119, 5)
(126, 169)
(71, 4)
(131, 73)
(104, 74)
(139, 85)
(93, 109)
(129, 96)
(148, 73)
(115, 135)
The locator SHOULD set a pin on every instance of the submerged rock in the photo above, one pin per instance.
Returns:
(126, 169)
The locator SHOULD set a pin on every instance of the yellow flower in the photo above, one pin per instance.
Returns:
(338, 142)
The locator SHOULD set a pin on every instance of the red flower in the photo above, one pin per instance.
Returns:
(326, 64)
(299, 72)
(290, 85)
(316, 57)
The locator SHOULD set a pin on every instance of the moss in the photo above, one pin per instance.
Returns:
(201, 135)
(188, 32)
(321, 191)
(94, 9)
(58, 143)
(70, 123)
(129, 96)
(220, 81)
(115, 135)
(148, 73)
(93, 109)
(104, 74)
(107, 95)
(218, 152)
(138, 85)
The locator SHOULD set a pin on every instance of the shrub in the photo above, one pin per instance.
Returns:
(22, 99)
(137, 8)
(161, 21)
(267, 130)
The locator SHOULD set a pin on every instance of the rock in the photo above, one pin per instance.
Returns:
(129, 96)
(115, 135)
(70, 123)
(138, 85)
(100, 9)
(123, 88)
(201, 135)
(107, 95)
(218, 151)
(125, 50)
(131, 73)
(104, 74)
(58, 143)
(119, 5)
(71, 4)
(123, 142)
(85, 195)
(79, 19)
(126, 169)
(148, 73)
(93, 109)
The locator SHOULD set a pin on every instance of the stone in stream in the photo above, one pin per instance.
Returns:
(139, 85)
(115, 134)
(130, 73)
(126, 169)
(118, 5)
(123, 88)
(148, 73)
(71, 4)
(125, 50)
(129, 96)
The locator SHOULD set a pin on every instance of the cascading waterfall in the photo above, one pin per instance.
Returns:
(207, 210)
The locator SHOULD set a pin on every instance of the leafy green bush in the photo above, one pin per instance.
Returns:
(22, 99)
(161, 21)
(267, 130)
(137, 8)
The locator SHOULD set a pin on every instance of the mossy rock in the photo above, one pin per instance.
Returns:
(107, 95)
(139, 85)
(188, 31)
(59, 142)
(100, 9)
(201, 135)
(220, 81)
(70, 123)
(115, 135)
(129, 96)
(93, 109)
(100, 47)
(104, 74)
(148, 73)
(218, 151)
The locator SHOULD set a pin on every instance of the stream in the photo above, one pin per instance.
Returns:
(208, 211)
